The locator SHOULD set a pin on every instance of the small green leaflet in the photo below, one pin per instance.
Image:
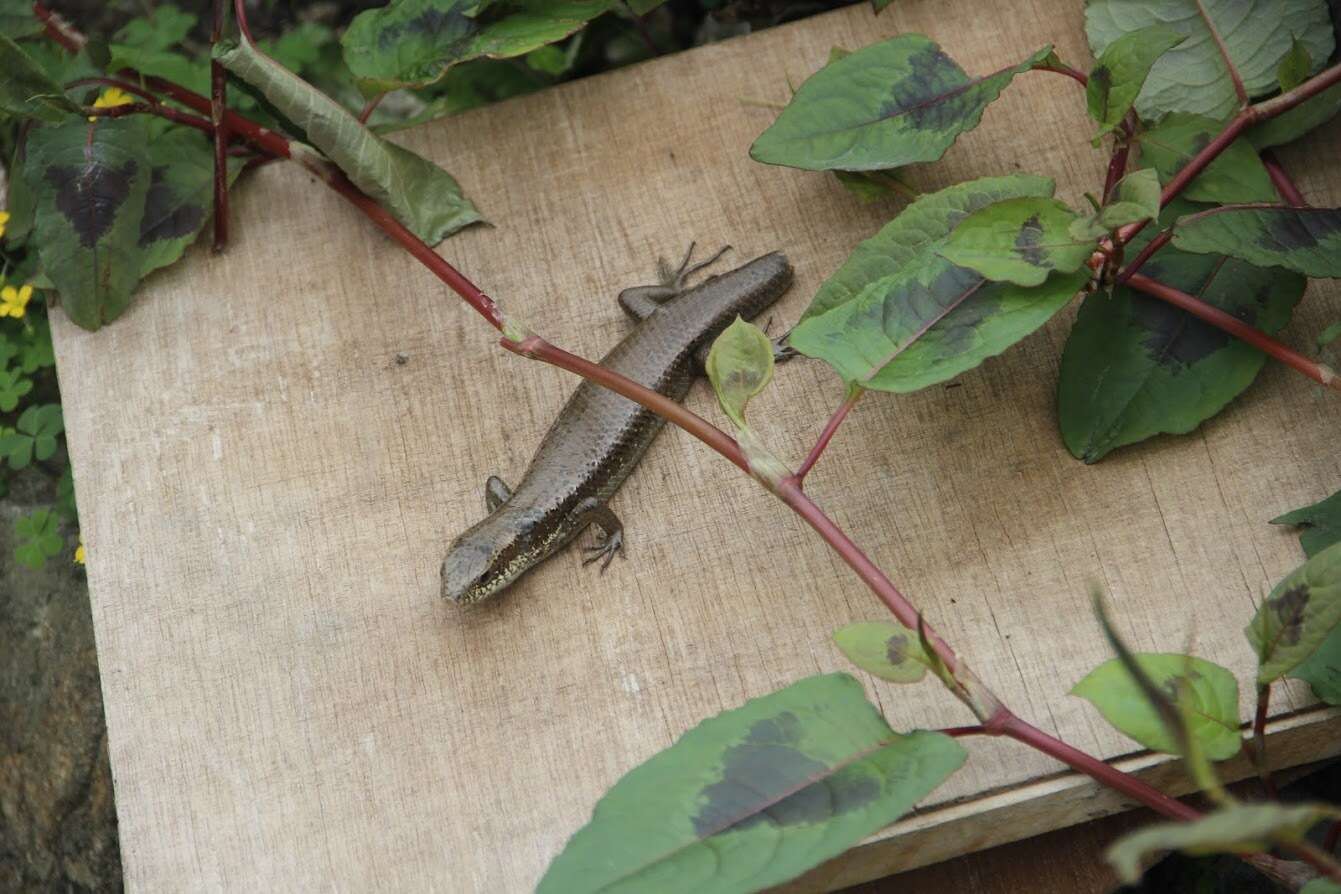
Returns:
(1321, 886)
(740, 365)
(1192, 77)
(417, 192)
(412, 43)
(35, 437)
(755, 796)
(27, 90)
(1136, 198)
(888, 650)
(90, 181)
(39, 538)
(1305, 240)
(1321, 523)
(1135, 366)
(1236, 175)
(893, 103)
(1295, 68)
(1210, 705)
(1118, 76)
(13, 385)
(1239, 829)
(1300, 613)
(898, 317)
(1020, 241)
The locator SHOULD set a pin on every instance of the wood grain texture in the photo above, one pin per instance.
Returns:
(266, 492)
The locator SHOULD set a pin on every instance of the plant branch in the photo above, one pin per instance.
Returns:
(218, 97)
(370, 106)
(1117, 167)
(1233, 72)
(1258, 750)
(1285, 186)
(1318, 372)
(58, 29)
(1078, 76)
(827, 434)
(1145, 254)
(152, 108)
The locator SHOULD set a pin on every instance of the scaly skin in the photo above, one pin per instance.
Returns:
(599, 436)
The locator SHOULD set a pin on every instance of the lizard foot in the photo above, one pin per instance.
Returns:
(605, 548)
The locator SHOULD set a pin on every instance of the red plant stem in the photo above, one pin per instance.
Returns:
(240, 13)
(369, 107)
(1259, 753)
(147, 108)
(1318, 372)
(1281, 180)
(218, 97)
(956, 732)
(1078, 76)
(827, 434)
(1154, 245)
(1117, 166)
(124, 86)
(1233, 72)
(58, 30)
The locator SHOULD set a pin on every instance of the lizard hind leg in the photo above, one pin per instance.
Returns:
(496, 493)
(611, 539)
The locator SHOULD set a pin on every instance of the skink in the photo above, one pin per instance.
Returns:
(599, 436)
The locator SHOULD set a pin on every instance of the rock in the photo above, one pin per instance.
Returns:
(57, 817)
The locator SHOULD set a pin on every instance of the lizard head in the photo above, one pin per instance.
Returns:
(484, 560)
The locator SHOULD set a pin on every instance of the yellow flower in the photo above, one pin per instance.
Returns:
(79, 552)
(14, 302)
(4, 219)
(112, 96)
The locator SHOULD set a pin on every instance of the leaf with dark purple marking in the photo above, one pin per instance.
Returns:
(413, 43)
(1236, 175)
(1192, 76)
(1320, 523)
(1299, 615)
(888, 650)
(1305, 240)
(26, 90)
(897, 316)
(1020, 241)
(1135, 366)
(90, 182)
(180, 198)
(755, 796)
(894, 103)
(740, 365)
(1206, 693)
(1118, 76)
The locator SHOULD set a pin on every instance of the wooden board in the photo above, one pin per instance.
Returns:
(274, 447)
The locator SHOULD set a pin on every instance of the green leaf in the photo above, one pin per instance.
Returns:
(17, 20)
(180, 198)
(1136, 198)
(1020, 241)
(43, 424)
(894, 103)
(740, 365)
(39, 538)
(889, 651)
(916, 233)
(165, 26)
(1135, 366)
(1305, 240)
(1192, 76)
(1300, 613)
(1329, 335)
(417, 192)
(1209, 696)
(898, 317)
(1238, 829)
(27, 90)
(90, 180)
(12, 387)
(1295, 68)
(755, 796)
(65, 496)
(1236, 175)
(1291, 125)
(1321, 523)
(869, 186)
(412, 43)
(1322, 669)
(17, 449)
(1321, 886)
(35, 350)
(1120, 73)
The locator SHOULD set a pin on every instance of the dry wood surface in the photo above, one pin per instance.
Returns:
(275, 446)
